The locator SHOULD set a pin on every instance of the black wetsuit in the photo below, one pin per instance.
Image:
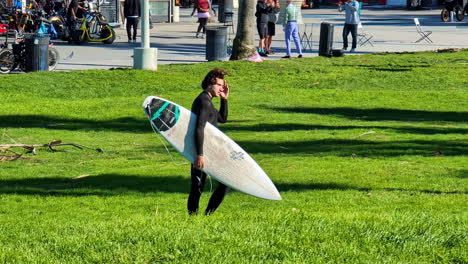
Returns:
(206, 112)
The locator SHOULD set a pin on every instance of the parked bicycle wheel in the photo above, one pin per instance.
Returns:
(6, 60)
(445, 15)
(54, 58)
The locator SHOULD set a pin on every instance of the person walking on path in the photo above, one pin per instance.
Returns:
(213, 85)
(203, 13)
(132, 13)
(351, 8)
(272, 18)
(262, 10)
(291, 29)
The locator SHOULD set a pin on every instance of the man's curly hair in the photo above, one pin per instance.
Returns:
(210, 78)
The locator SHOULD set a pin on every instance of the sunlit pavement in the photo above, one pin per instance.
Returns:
(393, 30)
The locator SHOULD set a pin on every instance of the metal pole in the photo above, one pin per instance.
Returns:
(145, 58)
(145, 33)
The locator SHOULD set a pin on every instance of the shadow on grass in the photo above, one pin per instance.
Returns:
(463, 174)
(117, 184)
(293, 127)
(359, 148)
(380, 114)
(124, 124)
(101, 185)
(344, 187)
(141, 125)
(392, 68)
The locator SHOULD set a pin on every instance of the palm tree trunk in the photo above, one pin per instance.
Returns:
(244, 45)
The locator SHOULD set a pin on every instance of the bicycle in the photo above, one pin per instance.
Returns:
(457, 9)
(16, 57)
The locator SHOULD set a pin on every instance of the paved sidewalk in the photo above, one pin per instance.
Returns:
(393, 30)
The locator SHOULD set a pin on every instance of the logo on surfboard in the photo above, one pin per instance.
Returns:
(235, 155)
(164, 115)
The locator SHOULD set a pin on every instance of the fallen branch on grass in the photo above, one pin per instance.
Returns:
(31, 148)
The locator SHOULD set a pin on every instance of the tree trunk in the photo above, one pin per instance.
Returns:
(244, 45)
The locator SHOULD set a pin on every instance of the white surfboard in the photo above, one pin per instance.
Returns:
(224, 159)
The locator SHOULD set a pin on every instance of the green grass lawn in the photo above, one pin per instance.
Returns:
(368, 152)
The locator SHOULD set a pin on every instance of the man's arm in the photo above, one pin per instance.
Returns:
(286, 16)
(262, 8)
(340, 6)
(202, 119)
(223, 110)
(200, 133)
(352, 7)
(276, 10)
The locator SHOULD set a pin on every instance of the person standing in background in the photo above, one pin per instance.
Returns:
(272, 18)
(132, 13)
(262, 10)
(351, 8)
(291, 29)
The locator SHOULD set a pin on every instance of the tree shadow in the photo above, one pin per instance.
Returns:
(119, 184)
(284, 187)
(380, 114)
(101, 185)
(294, 127)
(382, 68)
(463, 174)
(123, 124)
(359, 148)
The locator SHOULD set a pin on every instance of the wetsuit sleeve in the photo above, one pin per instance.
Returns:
(223, 111)
(201, 123)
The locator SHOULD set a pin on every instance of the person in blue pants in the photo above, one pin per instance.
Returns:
(291, 29)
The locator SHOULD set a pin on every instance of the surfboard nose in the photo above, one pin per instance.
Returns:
(274, 195)
(267, 191)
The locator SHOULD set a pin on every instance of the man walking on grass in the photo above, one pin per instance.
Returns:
(213, 85)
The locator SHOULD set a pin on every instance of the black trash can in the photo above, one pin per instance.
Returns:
(216, 43)
(37, 52)
(326, 39)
